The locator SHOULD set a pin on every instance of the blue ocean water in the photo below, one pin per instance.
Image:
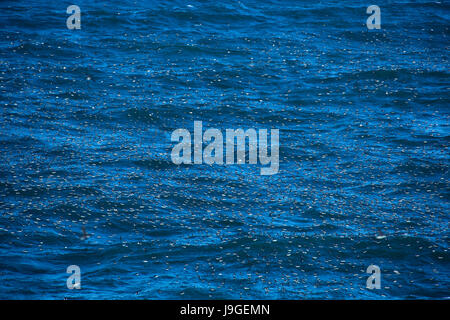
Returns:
(85, 142)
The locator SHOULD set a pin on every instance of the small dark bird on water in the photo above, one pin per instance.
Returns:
(380, 235)
(85, 235)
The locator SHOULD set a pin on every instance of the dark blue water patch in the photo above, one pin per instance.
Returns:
(86, 118)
